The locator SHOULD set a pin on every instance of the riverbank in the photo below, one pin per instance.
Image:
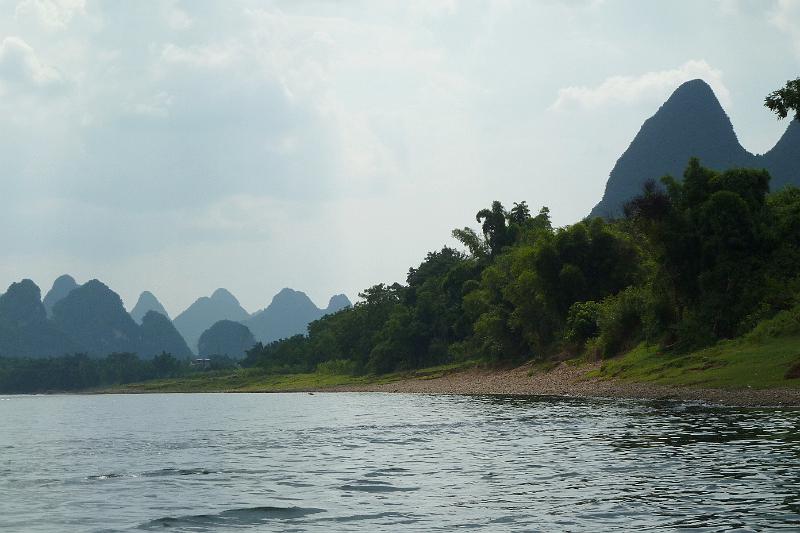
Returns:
(733, 373)
(565, 379)
(573, 380)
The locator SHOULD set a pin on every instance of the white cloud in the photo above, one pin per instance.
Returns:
(157, 106)
(212, 56)
(431, 7)
(20, 64)
(52, 14)
(252, 137)
(728, 7)
(245, 215)
(645, 87)
(785, 16)
(178, 19)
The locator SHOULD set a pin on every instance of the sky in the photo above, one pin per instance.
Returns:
(180, 146)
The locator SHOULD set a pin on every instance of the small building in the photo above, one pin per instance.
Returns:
(202, 363)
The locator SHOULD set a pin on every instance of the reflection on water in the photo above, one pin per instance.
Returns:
(362, 462)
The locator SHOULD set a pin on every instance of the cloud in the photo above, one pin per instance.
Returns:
(216, 56)
(785, 16)
(157, 106)
(52, 14)
(178, 19)
(728, 7)
(264, 144)
(646, 87)
(19, 64)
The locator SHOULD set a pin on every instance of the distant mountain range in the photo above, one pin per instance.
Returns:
(91, 318)
(207, 311)
(62, 286)
(692, 123)
(289, 314)
(147, 302)
(227, 338)
(25, 329)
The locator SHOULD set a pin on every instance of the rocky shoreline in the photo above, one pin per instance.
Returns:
(568, 380)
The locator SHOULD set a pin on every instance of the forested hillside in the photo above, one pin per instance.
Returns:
(695, 261)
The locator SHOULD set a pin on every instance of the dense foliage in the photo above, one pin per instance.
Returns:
(785, 100)
(692, 262)
(79, 371)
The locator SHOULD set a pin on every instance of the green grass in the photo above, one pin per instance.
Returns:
(255, 380)
(758, 363)
(736, 364)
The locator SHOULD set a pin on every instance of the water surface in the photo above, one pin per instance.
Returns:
(392, 462)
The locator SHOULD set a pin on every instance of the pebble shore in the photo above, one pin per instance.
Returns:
(567, 380)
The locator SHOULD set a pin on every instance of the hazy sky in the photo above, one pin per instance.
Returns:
(181, 146)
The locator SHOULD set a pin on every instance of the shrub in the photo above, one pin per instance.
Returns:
(582, 321)
(337, 367)
(619, 322)
(782, 324)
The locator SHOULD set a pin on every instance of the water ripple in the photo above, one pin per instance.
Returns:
(367, 462)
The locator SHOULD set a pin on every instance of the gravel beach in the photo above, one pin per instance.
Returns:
(567, 380)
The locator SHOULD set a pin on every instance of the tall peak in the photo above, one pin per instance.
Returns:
(21, 304)
(287, 297)
(695, 96)
(783, 161)
(64, 279)
(691, 123)
(289, 314)
(204, 312)
(147, 302)
(222, 294)
(62, 286)
(337, 303)
(96, 285)
(694, 87)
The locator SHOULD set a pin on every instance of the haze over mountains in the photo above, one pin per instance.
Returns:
(62, 286)
(205, 312)
(147, 302)
(25, 329)
(289, 313)
(225, 337)
(692, 123)
(91, 318)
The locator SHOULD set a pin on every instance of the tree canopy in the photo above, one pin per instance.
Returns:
(785, 100)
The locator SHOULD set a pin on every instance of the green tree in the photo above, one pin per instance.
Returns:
(710, 239)
(785, 100)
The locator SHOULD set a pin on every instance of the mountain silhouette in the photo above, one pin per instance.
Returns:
(205, 312)
(91, 318)
(25, 330)
(147, 302)
(159, 335)
(337, 303)
(691, 123)
(783, 161)
(226, 337)
(94, 317)
(62, 286)
(289, 314)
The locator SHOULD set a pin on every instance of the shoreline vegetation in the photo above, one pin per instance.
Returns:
(694, 294)
(731, 373)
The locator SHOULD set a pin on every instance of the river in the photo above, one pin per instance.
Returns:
(392, 462)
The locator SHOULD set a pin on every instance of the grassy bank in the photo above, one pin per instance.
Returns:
(736, 364)
(255, 380)
(742, 364)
